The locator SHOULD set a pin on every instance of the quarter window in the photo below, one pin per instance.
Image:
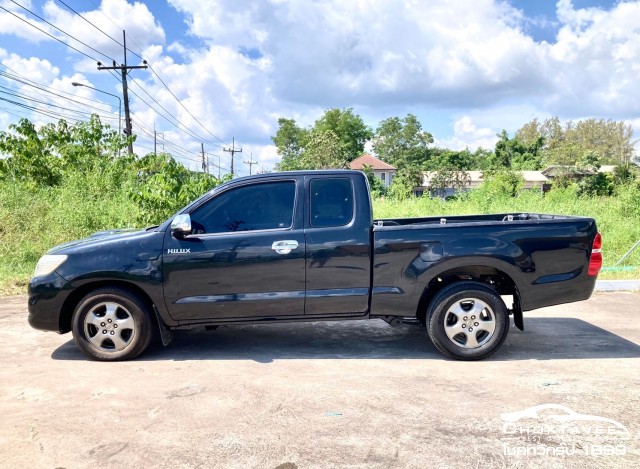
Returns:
(266, 206)
(331, 202)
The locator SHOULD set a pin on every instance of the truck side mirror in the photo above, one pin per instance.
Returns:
(181, 225)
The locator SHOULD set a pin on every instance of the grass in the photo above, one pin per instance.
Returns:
(32, 221)
(618, 218)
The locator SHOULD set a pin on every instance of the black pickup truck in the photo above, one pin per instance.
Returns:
(303, 246)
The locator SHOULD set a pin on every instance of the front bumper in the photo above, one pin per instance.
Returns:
(47, 295)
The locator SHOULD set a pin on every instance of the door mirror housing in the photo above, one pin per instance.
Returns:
(181, 225)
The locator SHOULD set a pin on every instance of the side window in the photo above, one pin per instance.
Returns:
(331, 202)
(265, 206)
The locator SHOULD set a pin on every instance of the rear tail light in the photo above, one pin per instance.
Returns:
(595, 261)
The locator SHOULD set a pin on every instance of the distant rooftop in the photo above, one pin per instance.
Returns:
(368, 160)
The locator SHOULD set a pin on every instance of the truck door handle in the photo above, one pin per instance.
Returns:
(284, 246)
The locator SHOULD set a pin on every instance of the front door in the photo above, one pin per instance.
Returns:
(245, 257)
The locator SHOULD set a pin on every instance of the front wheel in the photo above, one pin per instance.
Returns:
(468, 321)
(112, 324)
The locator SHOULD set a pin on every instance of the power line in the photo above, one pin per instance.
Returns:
(63, 32)
(38, 101)
(123, 44)
(50, 35)
(52, 114)
(124, 69)
(152, 70)
(106, 34)
(92, 24)
(183, 106)
(233, 151)
(170, 118)
(172, 146)
(41, 89)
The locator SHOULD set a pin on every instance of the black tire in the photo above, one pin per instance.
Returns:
(467, 321)
(112, 324)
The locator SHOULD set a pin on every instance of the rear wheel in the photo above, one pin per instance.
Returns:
(112, 324)
(467, 321)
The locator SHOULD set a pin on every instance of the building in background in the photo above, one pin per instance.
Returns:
(381, 170)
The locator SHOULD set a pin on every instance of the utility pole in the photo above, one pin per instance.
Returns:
(125, 93)
(250, 162)
(233, 151)
(204, 164)
(218, 165)
(155, 140)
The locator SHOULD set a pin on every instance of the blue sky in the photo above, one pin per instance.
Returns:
(467, 69)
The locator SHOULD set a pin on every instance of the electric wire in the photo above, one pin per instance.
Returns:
(48, 34)
(183, 106)
(41, 90)
(178, 125)
(52, 114)
(44, 103)
(150, 68)
(63, 32)
(106, 34)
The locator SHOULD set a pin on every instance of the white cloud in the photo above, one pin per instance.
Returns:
(4, 120)
(39, 70)
(112, 17)
(372, 53)
(17, 23)
(595, 63)
(245, 65)
(466, 134)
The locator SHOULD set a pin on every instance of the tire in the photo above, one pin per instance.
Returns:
(112, 324)
(467, 321)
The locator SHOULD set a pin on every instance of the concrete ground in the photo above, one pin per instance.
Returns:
(350, 394)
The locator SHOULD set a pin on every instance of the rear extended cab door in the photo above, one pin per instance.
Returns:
(337, 226)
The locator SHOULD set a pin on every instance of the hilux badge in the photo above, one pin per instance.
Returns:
(179, 251)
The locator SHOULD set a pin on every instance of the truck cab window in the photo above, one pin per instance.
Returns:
(265, 206)
(331, 202)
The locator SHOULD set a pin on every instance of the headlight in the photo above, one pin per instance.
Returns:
(48, 263)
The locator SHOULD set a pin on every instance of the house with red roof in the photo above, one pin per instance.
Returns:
(381, 170)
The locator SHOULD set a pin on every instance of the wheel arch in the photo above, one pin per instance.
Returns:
(493, 277)
(79, 293)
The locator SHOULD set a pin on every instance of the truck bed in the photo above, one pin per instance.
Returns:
(449, 219)
(544, 257)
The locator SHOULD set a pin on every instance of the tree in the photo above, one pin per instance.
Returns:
(29, 159)
(442, 158)
(445, 178)
(339, 131)
(511, 153)
(402, 142)
(598, 184)
(404, 182)
(502, 183)
(376, 185)
(40, 156)
(323, 151)
(290, 141)
(567, 144)
(350, 129)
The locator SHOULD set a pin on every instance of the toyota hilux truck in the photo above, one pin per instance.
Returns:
(304, 246)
